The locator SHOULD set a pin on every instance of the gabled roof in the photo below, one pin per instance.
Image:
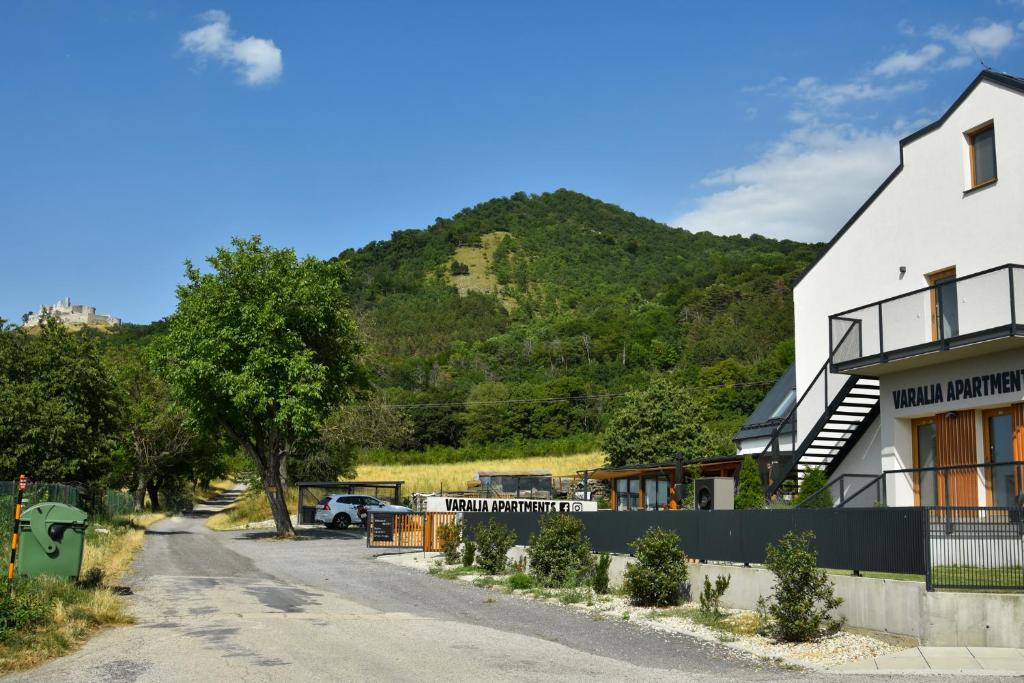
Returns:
(761, 423)
(1012, 82)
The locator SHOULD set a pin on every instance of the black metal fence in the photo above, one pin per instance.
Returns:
(979, 548)
(881, 540)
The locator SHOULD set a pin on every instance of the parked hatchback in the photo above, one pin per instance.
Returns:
(344, 510)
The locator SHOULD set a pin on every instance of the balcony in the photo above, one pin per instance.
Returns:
(955, 318)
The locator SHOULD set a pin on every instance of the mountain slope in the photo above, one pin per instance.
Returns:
(558, 294)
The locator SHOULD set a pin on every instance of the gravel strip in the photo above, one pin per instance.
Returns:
(826, 653)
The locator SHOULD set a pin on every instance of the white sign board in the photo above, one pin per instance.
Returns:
(446, 504)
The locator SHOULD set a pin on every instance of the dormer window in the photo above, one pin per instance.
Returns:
(981, 144)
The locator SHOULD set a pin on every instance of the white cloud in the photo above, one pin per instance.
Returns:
(257, 60)
(804, 187)
(984, 40)
(813, 91)
(907, 62)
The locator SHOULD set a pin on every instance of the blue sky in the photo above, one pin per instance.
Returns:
(138, 134)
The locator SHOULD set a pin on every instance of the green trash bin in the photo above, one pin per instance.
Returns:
(52, 541)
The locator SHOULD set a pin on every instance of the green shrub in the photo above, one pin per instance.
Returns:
(468, 553)
(814, 480)
(801, 605)
(21, 610)
(750, 493)
(450, 535)
(560, 554)
(604, 562)
(656, 577)
(493, 541)
(520, 581)
(711, 596)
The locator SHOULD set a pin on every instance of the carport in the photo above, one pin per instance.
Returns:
(310, 492)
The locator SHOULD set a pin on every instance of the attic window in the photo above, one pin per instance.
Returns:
(981, 143)
(785, 404)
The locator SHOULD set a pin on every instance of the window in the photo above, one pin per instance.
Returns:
(655, 493)
(627, 494)
(787, 402)
(982, 146)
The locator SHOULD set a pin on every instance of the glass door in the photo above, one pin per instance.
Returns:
(926, 484)
(945, 314)
(655, 493)
(1002, 477)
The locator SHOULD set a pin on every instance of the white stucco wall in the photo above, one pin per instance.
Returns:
(925, 222)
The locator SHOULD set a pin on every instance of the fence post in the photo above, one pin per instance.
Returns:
(926, 532)
(949, 510)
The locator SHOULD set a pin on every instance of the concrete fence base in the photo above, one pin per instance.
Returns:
(940, 619)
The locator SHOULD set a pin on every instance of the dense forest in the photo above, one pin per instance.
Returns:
(560, 295)
(517, 326)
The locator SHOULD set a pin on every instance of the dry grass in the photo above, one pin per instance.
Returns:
(253, 507)
(455, 476)
(250, 507)
(481, 277)
(72, 613)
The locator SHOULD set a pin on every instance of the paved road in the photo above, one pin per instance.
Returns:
(245, 607)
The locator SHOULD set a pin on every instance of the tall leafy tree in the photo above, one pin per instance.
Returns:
(262, 347)
(156, 431)
(59, 408)
(659, 422)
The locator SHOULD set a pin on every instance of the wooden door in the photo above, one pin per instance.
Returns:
(956, 445)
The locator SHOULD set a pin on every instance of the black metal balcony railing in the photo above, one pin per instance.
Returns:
(966, 310)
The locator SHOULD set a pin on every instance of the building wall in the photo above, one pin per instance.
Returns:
(896, 433)
(923, 221)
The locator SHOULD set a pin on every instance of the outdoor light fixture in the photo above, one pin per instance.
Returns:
(903, 271)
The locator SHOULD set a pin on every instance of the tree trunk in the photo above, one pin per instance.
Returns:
(273, 485)
(139, 494)
(154, 495)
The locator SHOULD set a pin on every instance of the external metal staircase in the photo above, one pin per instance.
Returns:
(838, 410)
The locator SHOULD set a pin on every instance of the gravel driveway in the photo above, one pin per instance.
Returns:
(244, 607)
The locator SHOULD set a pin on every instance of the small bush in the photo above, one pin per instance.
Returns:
(750, 493)
(801, 605)
(21, 610)
(468, 553)
(711, 597)
(450, 535)
(813, 481)
(656, 577)
(520, 581)
(604, 562)
(560, 554)
(493, 541)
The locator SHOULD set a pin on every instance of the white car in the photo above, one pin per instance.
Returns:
(339, 511)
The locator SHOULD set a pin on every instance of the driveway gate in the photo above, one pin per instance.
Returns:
(406, 530)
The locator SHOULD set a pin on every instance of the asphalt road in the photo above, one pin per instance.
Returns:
(244, 607)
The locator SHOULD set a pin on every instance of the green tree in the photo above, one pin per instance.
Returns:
(60, 410)
(813, 481)
(750, 494)
(657, 423)
(156, 431)
(262, 348)
(803, 598)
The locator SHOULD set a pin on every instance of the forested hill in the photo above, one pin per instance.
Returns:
(559, 294)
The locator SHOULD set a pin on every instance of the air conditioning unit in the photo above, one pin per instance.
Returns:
(714, 493)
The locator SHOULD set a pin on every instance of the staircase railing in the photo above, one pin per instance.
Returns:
(843, 498)
(809, 409)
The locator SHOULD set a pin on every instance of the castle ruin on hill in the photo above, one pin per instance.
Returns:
(67, 313)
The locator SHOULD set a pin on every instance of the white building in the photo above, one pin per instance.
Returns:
(67, 313)
(910, 325)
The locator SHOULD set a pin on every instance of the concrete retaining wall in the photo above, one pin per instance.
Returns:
(940, 619)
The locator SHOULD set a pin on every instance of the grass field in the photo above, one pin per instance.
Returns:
(253, 506)
(46, 618)
(454, 476)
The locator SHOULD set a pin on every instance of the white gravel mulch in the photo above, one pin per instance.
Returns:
(841, 648)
